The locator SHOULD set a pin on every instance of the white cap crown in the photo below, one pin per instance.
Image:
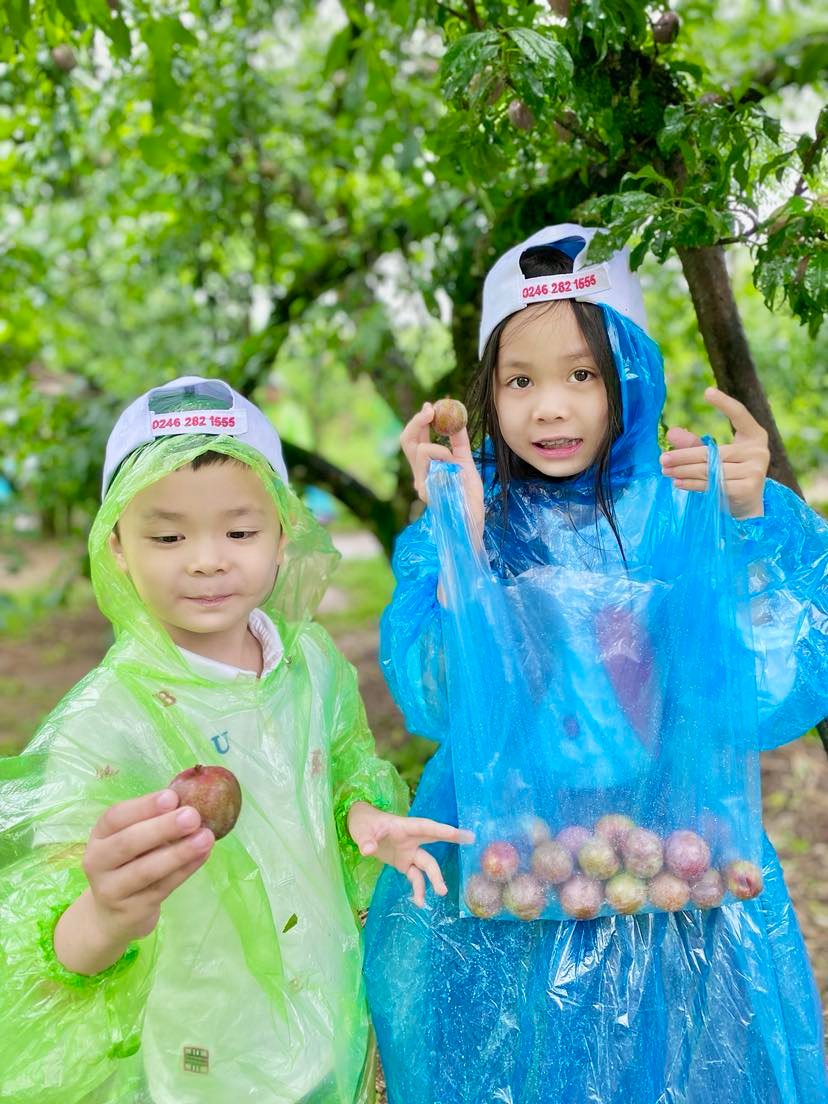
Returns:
(191, 405)
(506, 290)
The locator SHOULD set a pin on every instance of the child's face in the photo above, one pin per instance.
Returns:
(551, 401)
(202, 549)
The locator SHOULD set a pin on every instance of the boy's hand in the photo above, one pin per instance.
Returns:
(398, 841)
(138, 852)
(420, 450)
(744, 463)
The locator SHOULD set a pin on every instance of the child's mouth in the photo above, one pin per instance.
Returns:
(210, 599)
(558, 448)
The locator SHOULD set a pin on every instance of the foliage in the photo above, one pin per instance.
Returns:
(304, 201)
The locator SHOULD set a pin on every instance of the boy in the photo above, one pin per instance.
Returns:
(141, 960)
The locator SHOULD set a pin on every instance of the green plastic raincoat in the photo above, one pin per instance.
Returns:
(250, 987)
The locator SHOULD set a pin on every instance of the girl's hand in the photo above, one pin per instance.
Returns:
(744, 463)
(420, 450)
(138, 852)
(398, 841)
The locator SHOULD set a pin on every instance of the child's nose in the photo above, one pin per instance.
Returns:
(207, 558)
(551, 405)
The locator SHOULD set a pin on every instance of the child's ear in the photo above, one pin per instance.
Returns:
(117, 551)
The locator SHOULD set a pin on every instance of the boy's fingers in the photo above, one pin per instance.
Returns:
(743, 422)
(415, 876)
(431, 868)
(137, 876)
(145, 836)
(435, 832)
(160, 891)
(135, 809)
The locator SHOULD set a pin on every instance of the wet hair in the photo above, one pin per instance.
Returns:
(483, 421)
(203, 460)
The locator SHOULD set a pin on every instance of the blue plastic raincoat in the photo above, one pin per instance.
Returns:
(687, 1007)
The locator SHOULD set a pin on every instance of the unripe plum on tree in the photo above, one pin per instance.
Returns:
(64, 57)
(666, 28)
(520, 116)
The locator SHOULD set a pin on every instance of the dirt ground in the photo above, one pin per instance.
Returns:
(35, 672)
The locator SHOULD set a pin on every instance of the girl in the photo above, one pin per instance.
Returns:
(687, 1007)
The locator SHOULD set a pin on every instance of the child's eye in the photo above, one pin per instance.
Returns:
(242, 534)
(519, 383)
(581, 375)
(168, 538)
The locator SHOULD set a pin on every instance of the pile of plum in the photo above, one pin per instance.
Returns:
(618, 864)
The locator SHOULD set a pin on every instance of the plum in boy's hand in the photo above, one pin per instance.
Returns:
(138, 853)
(214, 793)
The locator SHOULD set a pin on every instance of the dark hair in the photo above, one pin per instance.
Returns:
(203, 460)
(545, 260)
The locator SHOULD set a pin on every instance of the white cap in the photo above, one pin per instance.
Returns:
(195, 405)
(507, 290)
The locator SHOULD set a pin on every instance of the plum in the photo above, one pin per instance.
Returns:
(598, 859)
(214, 793)
(450, 416)
(614, 827)
(581, 897)
(573, 838)
(525, 897)
(500, 861)
(483, 896)
(744, 879)
(535, 829)
(642, 853)
(686, 855)
(708, 890)
(552, 862)
(625, 893)
(668, 892)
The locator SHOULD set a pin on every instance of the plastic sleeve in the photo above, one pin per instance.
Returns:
(62, 1035)
(786, 553)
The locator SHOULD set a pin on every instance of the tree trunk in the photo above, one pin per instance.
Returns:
(733, 367)
(382, 517)
(727, 347)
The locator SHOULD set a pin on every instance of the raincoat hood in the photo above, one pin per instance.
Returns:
(309, 555)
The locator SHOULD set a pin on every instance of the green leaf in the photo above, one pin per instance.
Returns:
(465, 57)
(291, 923)
(19, 16)
(545, 53)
